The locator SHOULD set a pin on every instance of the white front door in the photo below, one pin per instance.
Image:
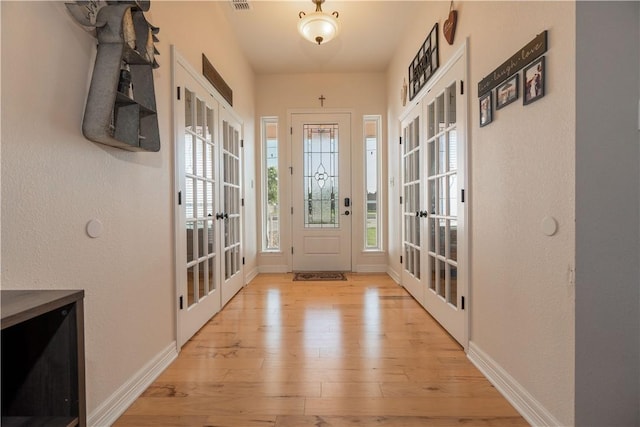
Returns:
(434, 231)
(208, 215)
(321, 185)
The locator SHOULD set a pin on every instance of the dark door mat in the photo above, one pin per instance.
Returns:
(325, 276)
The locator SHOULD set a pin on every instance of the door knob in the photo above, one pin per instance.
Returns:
(346, 213)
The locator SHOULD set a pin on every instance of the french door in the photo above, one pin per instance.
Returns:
(321, 185)
(208, 217)
(434, 225)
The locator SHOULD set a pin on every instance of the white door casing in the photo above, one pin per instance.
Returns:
(321, 191)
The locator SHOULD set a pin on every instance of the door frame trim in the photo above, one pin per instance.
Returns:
(290, 113)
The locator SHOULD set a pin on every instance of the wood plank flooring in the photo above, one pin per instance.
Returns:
(297, 354)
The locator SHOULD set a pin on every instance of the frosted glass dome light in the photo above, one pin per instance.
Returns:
(318, 27)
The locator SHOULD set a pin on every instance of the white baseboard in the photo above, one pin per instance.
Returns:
(393, 274)
(273, 269)
(530, 409)
(251, 275)
(370, 268)
(110, 410)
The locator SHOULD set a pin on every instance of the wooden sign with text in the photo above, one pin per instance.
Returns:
(216, 80)
(511, 66)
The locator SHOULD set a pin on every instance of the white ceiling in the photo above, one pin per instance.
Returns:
(370, 32)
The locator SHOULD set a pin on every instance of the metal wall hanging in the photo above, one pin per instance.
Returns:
(121, 105)
(424, 64)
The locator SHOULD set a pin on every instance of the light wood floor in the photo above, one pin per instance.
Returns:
(360, 352)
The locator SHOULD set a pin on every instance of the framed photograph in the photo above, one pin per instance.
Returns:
(486, 109)
(507, 92)
(533, 81)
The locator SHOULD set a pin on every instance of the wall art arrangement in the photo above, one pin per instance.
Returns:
(504, 81)
(121, 104)
(424, 64)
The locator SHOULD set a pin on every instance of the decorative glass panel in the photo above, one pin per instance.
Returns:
(203, 278)
(431, 121)
(188, 153)
(191, 225)
(440, 113)
(453, 155)
(200, 118)
(453, 286)
(189, 197)
(432, 272)
(188, 109)
(451, 104)
(212, 274)
(453, 240)
(321, 192)
(442, 154)
(192, 282)
(442, 288)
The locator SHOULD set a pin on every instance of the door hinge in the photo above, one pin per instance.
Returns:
(461, 87)
(400, 259)
(242, 143)
(462, 196)
(400, 199)
(400, 138)
(291, 170)
(242, 202)
(242, 260)
(291, 130)
(462, 304)
(179, 197)
(181, 302)
(178, 93)
(291, 250)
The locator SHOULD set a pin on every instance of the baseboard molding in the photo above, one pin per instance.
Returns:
(530, 409)
(370, 268)
(251, 275)
(273, 269)
(110, 410)
(393, 274)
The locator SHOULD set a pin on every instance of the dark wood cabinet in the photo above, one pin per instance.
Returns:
(43, 381)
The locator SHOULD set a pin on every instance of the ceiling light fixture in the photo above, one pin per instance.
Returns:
(318, 27)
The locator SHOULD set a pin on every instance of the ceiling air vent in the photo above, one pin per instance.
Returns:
(240, 5)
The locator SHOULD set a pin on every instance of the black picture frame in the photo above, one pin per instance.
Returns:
(533, 81)
(508, 92)
(486, 109)
(425, 63)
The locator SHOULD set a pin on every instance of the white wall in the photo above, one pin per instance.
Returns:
(521, 169)
(54, 181)
(360, 93)
(607, 198)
